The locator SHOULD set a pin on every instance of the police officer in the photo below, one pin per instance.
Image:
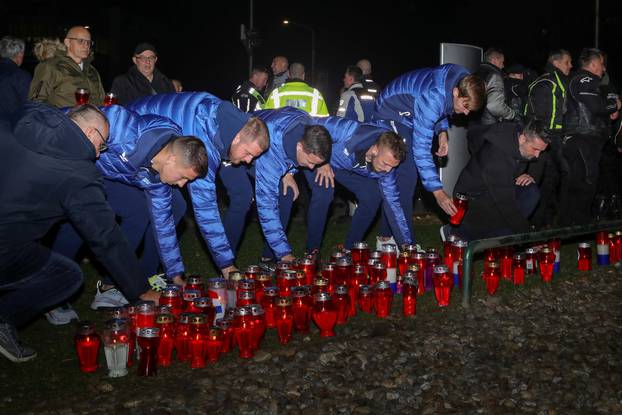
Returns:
(248, 95)
(371, 86)
(355, 103)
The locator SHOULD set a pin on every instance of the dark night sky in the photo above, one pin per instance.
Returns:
(198, 41)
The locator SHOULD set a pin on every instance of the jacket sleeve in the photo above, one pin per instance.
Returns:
(205, 204)
(396, 217)
(344, 103)
(43, 82)
(91, 215)
(499, 181)
(589, 94)
(495, 99)
(426, 114)
(543, 103)
(267, 184)
(160, 208)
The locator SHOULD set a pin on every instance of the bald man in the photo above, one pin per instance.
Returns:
(55, 80)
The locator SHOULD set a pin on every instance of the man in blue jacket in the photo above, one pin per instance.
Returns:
(416, 105)
(230, 137)
(363, 160)
(49, 175)
(146, 157)
(294, 143)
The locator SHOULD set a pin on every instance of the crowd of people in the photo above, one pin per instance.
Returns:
(110, 176)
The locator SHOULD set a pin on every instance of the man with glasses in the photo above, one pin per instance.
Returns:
(143, 78)
(50, 176)
(56, 80)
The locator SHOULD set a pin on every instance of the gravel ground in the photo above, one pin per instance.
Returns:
(544, 350)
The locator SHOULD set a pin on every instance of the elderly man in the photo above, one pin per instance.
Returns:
(143, 78)
(14, 81)
(248, 95)
(56, 79)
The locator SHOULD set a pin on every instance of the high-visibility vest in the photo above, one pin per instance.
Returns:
(299, 95)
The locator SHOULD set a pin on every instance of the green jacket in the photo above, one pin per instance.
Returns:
(55, 82)
(298, 94)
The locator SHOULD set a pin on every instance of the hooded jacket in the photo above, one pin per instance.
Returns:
(133, 142)
(351, 138)
(50, 175)
(133, 85)
(216, 123)
(55, 81)
(286, 127)
(422, 100)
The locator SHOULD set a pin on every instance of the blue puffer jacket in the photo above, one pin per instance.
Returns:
(216, 123)
(134, 140)
(351, 137)
(420, 99)
(270, 168)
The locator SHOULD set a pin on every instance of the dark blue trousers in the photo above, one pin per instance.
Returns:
(129, 203)
(238, 182)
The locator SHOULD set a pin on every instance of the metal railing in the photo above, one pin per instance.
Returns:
(521, 238)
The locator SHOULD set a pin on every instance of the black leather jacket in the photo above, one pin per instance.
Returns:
(588, 110)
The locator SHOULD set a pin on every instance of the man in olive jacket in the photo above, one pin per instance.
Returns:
(55, 80)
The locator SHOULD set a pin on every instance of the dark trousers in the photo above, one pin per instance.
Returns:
(25, 298)
(129, 203)
(527, 198)
(238, 182)
(582, 152)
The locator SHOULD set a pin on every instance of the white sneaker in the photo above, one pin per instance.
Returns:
(107, 299)
(380, 240)
(444, 231)
(62, 315)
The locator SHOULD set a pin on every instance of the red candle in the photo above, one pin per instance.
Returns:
(403, 261)
(458, 249)
(188, 296)
(227, 333)
(308, 266)
(148, 341)
(301, 308)
(204, 306)
(420, 271)
(243, 331)
(145, 314)
(268, 302)
(245, 298)
(443, 282)
(110, 99)
(378, 273)
(82, 96)
(505, 262)
(547, 262)
(585, 257)
(343, 271)
(324, 314)
(285, 281)
(358, 278)
(336, 255)
(182, 336)
(320, 284)
(365, 298)
(87, 343)
(197, 343)
(215, 341)
(360, 253)
(409, 296)
(518, 272)
(462, 202)
(328, 272)
(171, 296)
(284, 319)
(618, 245)
(301, 279)
(166, 324)
(262, 281)
(382, 298)
(389, 260)
(490, 255)
(195, 282)
(252, 271)
(492, 276)
(341, 300)
(259, 324)
(282, 266)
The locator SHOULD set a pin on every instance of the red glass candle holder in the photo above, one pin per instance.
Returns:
(320, 284)
(506, 255)
(462, 203)
(358, 278)
(618, 246)
(490, 255)
(546, 263)
(243, 332)
(215, 341)
(403, 261)
(145, 314)
(268, 303)
(166, 324)
(245, 298)
(360, 253)
(382, 298)
(252, 271)
(409, 296)
(182, 336)
(518, 269)
(491, 277)
(432, 259)
(337, 254)
(365, 298)
(443, 282)
(328, 272)
(285, 281)
(227, 333)
(419, 265)
(197, 343)
(324, 314)
(343, 271)
(195, 282)
(82, 96)
(309, 267)
(87, 343)
(171, 296)
(301, 308)
(259, 324)
(188, 297)
(148, 341)
(110, 99)
(377, 273)
(203, 305)
(388, 258)
(341, 300)
(283, 266)
(261, 282)
(531, 261)
(284, 319)
(584, 253)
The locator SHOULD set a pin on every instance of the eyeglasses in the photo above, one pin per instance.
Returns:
(83, 42)
(147, 58)
(103, 146)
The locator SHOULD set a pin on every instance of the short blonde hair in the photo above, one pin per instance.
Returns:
(47, 48)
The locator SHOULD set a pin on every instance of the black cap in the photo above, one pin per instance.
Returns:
(515, 68)
(141, 47)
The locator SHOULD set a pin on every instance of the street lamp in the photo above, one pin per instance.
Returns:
(312, 30)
